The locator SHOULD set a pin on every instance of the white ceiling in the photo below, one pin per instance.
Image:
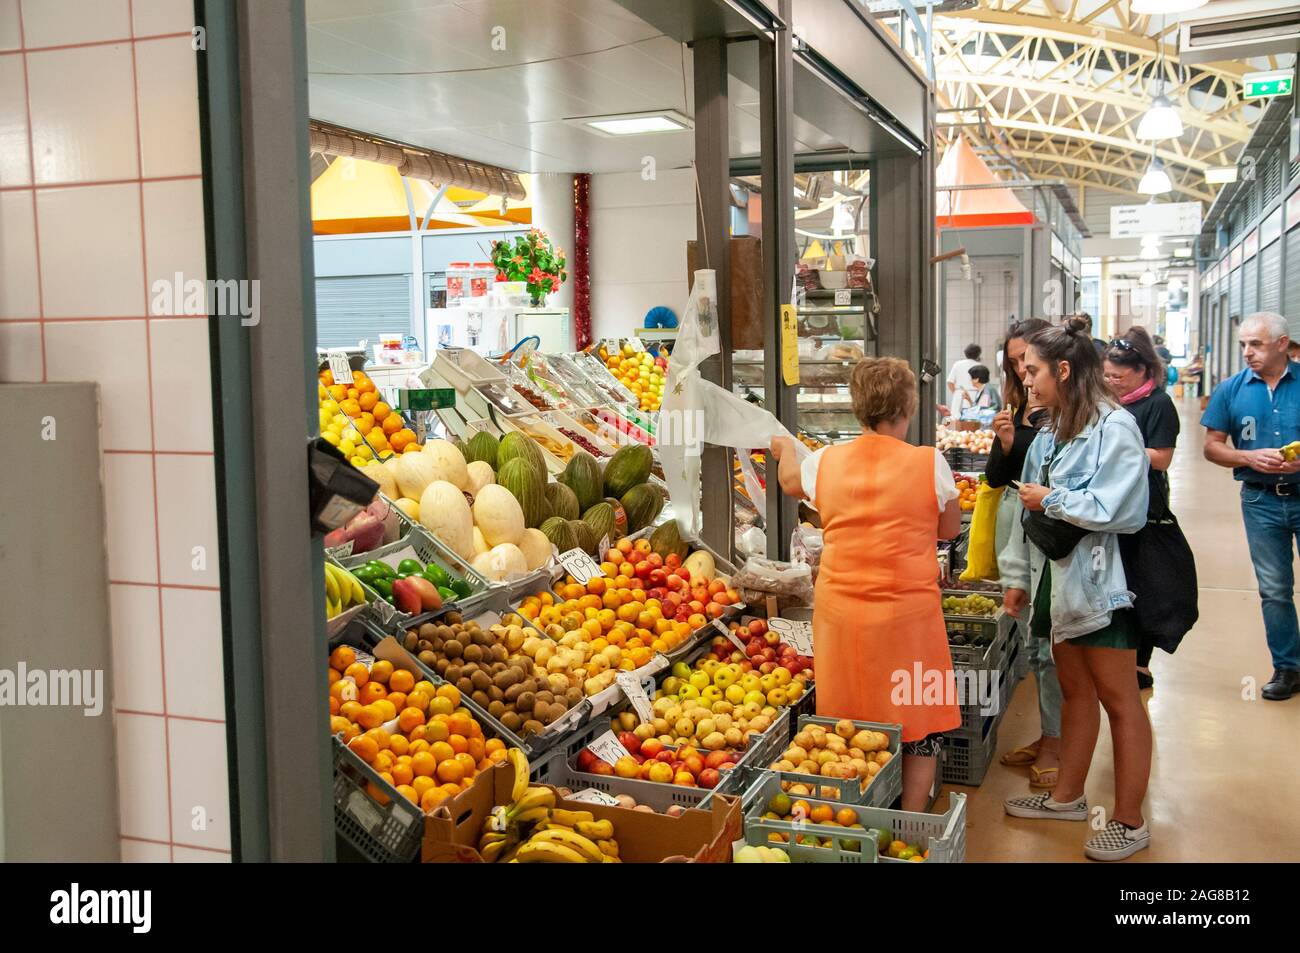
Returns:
(427, 72)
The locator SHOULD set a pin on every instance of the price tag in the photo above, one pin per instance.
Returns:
(789, 345)
(611, 346)
(636, 345)
(798, 634)
(842, 296)
(603, 548)
(608, 748)
(342, 551)
(580, 566)
(636, 693)
(340, 367)
(725, 630)
(592, 796)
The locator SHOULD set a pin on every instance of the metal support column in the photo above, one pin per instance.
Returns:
(776, 109)
(902, 193)
(713, 221)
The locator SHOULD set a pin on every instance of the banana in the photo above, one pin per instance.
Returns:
(544, 852)
(331, 608)
(533, 797)
(595, 830)
(608, 847)
(571, 818)
(573, 841)
(331, 585)
(611, 860)
(520, 762)
(538, 814)
(491, 852)
(358, 594)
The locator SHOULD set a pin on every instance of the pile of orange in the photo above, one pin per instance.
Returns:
(415, 734)
(967, 488)
(383, 428)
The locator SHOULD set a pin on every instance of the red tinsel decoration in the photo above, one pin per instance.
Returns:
(581, 259)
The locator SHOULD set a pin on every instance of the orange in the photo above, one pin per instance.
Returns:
(378, 442)
(371, 692)
(401, 440)
(344, 690)
(358, 672)
(342, 657)
(596, 585)
(365, 748)
(450, 771)
(846, 817)
(418, 746)
(424, 764)
(459, 743)
(381, 410)
(398, 701)
(334, 674)
(451, 789)
(370, 717)
(494, 744)
(381, 671)
(498, 756)
(436, 731)
(349, 710)
(450, 692)
(402, 773)
(335, 705)
(468, 762)
(431, 798)
(326, 377)
(408, 792)
(418, 699)
(386, 707)
(410, 718)
(353, 393)
(384, 761)
(401, 681)
(350, 407)
(339, 724)
(373, 790)
(422, 783)
(364, 424)
(381, 737)
(460, 723)
(416, 733)
(442, 751)
(367, 401)
(399, 745)
(391, 422)
(338, 392)
(821, 814)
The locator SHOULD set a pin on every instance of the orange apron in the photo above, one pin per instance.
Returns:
(878, 612)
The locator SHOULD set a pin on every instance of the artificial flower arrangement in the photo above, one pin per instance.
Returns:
(530, 258)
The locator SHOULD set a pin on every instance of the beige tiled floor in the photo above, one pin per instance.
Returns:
(1225, 769)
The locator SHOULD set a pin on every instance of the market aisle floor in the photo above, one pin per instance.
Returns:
(1225, 769)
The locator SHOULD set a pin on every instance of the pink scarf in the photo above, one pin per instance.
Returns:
(1132, 397)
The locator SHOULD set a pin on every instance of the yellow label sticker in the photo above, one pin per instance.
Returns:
(789, 345)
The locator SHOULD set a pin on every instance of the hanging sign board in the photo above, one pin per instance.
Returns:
(1164, 218)
(789, 345)
(1277, 82)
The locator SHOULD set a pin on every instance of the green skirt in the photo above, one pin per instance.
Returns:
(1121, 633)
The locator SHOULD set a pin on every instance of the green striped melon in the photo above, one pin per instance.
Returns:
(558, 530)
(515, 445)
(642, 504)
(564, 502)
(482, 446)
(629, 466)
(526, 485)
(582, 476)
(601, 520)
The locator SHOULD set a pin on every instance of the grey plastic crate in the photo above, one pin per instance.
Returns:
(982, 633)
(973, 713)
(883, 788)
(968, 754)
(382, 833)
(944, 835)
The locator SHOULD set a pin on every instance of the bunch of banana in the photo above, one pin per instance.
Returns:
(342, 590)
(1291, 451)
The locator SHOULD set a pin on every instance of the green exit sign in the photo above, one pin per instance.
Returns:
(1272, 83)
(432, 398)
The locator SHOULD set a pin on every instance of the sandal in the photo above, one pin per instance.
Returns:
(1025, 754)
(1043, 779)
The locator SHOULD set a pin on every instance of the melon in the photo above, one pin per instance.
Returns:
(449, 462)
(642, 504)
(415, 471)
(480, 544)
(384, 477)
(560, 532)
(563, 501)
(515, 445)
(445, 514)
(480, 474)
(601, 520)
(628, 466)
(482, 447)
(528, 487)
(587, 539)
(582, 476)
(701, 565)
(498, 514)
(501, 562)
(667, 539)
(536, 548)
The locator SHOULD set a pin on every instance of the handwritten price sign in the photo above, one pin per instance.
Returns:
(608, 748)
(580, 566)
(636, 692)
(798, 635)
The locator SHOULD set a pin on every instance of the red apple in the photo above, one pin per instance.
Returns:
(727, 765)
(673, 561)
(769, 654)
(655, 560)
(716, 759)
(737, 656)
(767, 668)
(683, 615)
(696, 606)
(714, 610)
(747, 666)
(643, 570)
(586, 759)
(652, 747)
(757, 627)
(602, 767)
(658, 578)
(753, 651)
(684, 573)
(629, 741)
(709, 778)
(666, 755)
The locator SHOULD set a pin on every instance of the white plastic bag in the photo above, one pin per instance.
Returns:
(695, 412)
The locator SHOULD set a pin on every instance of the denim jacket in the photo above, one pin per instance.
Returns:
(1099, 483)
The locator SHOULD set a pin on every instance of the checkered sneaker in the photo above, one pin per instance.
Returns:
(1043, 806)
(1116, 842)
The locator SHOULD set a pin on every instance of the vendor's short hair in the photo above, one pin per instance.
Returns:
(883, 390)
(979, 373)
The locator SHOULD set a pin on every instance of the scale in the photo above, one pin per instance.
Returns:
(421, 405)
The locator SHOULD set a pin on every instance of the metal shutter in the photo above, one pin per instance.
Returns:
(1272, 180)
(1234, 294)
(1291, 293)
(1270, 278)
(361, 308)
(1249, 286)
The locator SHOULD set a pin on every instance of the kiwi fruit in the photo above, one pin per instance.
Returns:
(441, 666)
(424, 645)
(410, 641)
(428, 658)
(483, 638)
(506, 678)
(573, 696)
(542, 713)
(495, 694)
(557, 711)
(525, 701)
(481, 698)
(465, 686)
(481, 681)
(453, 618)
(512, 720)
(473, 653)
(452, 648)
(496, 709)
(545, 696)
(453, 673)
(428, 630)
(512, 693)
(500, 653)
(533, 727)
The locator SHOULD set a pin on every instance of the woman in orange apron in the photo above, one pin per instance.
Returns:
(878, 631)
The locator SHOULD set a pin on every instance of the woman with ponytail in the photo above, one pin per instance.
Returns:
(1084, 482)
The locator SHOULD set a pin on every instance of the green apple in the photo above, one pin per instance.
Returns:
(711, 694)
(701, 680)
(710, 666)
(767, 683)
(735, 694)
(672, 685)
(681, 670)
(756, 699)
(688, 692)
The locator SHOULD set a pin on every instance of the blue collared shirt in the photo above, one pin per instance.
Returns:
(1243, 408)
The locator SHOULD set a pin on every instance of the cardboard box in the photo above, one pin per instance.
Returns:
(451, 834)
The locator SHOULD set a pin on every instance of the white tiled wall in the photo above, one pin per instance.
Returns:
(100, 166)
(978, 311)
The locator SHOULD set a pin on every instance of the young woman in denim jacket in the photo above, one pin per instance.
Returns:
(1088, 469)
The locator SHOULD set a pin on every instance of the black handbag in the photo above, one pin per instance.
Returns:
(1055, 538)
(1161, 573)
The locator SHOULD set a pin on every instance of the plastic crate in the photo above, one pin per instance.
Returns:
(968, 754)
(962, 459)
(973, 713)
(382, 833)
(882, 789)
(944, 835)
(979, 631)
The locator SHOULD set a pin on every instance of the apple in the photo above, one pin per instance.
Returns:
(755, 698)
(772, 639)
(660, 772)
(675, 582)
(657, 593)
(715, 610)
(769, 654)
(659, 579)
(750, 682)
(709, 778)
(778, 697)
(716, 759)
(693, 764)
(681, 670)
(666, 755)
(765, 684)
(737, 655)
(757, 627)
(735, 694)
(723, 676)
(710, 666)
(586, 758)
(651, 747)
(602, 767)
(685, 779)
(700, 680)
(754, 650)
(767, 668)
(747, 666)
(630, 741)
(643, 570)
(672, 560)
(684, 573)
(626, 767)
(711, 694)
(695, 606)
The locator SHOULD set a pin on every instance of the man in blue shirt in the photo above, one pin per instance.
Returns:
(1260, 409)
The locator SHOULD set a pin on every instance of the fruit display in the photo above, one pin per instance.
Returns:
(783, 807)
(761, 854)
(901, 850)
(364, 428)
(652, 760)
(628, 802)
(764, 652)
(533, 397)
(416, 735)
(845, 753)
(342, 591)
(521, 679)
(975, 441)
(373, 527)
(412, 586)
(584, 443)
(641, 372)
(967, 488)
(533, 830)
(692, 709)
(974, 604)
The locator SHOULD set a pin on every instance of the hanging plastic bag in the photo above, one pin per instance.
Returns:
(981, 553)
(695, 411)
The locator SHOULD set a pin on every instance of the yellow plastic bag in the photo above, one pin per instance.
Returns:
(981, 551)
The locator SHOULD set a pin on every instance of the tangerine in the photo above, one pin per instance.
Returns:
(402, 773)
(399, 745)
(365, 748)
(431, 798)
(441, 751)
(408, 792)
(358, 672)
(370, 692)
(381, 671)
(459, 723)
(342, 657)
(424, 764)
(381, 410)
(401, 681)
(410, 718)
(451, 771)
(370, 717)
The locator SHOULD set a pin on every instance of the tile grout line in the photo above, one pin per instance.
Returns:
(153, 443)
(91, 183)
(158, 714)
(24, 48)
(123, 317)
(162, 585)
(164, 843)
(31, 173)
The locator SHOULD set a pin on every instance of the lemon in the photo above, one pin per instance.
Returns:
(364, 452)
(347, 448)
(358, 462)
(330, 437)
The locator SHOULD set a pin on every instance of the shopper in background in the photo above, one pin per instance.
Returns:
(884, 505)
(1135, 375)
(1084, 482)
(1166, 356)
(1016, 426)
(959, 376)
(979, 396)
(1293, 351)
(1259, 408)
